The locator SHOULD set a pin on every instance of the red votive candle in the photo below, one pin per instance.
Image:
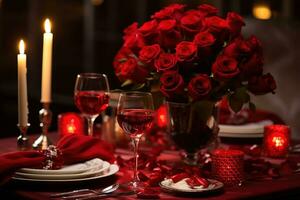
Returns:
(228, 166)
(276, 140)
(70, 123)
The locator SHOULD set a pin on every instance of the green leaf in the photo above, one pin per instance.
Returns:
(138, 86)
(127, 82)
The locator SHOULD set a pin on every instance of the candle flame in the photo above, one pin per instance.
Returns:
(21, 47)
(47, 26)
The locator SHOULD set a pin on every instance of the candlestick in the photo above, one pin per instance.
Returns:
(47, 63)
(22, 140)
(276, 140)
(42, 142)
(22, 86)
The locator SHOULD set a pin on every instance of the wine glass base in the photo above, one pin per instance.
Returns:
(191, 159)
(135, 186)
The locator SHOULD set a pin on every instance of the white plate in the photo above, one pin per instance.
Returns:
(168, 185)
(112, 170)
(251, 130)
(95, 171)
(70, 169)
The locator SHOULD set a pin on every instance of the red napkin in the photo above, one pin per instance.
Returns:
(226, 116)
(75, 148)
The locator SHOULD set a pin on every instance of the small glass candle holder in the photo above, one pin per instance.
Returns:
(228, 166)
(70, 123)
(276, 140)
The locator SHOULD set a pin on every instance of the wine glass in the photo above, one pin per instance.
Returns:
(135, 114)
(91, 96)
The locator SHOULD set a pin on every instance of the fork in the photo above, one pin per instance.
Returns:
(105, 190)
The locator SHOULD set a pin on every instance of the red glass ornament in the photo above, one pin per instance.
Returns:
(70, 123)
(228, 166)
(276, 140)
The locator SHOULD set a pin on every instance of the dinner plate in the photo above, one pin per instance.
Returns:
(70, 169)
(250, 130)
(94, 171)
(169, 186)
(113, 169)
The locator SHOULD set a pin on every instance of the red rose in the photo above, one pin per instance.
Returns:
(171, 11)
(131, 70)
(204, 39)
(134, 42)
(225, 68)
(148, 28)
(171, 84)
(186, 51)
(191, 24)
(208, 10)
(239, 49)
(149, 53)
(122, 55)
(252, 67)
(131, 29)
(199, 87)
(262, 84)
(218, 27)
(255, 45)
(165, 61)
(169, 36)
(235, 22)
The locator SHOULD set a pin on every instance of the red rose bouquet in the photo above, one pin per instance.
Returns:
(194, 55)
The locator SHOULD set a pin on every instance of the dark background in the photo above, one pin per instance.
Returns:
(88, 33)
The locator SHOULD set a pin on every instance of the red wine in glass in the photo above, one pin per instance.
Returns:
(135, 122)
(91, 102)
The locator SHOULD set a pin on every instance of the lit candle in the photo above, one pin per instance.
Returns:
(276, 140)
(70, 123)
(47, 63)
(22, 86)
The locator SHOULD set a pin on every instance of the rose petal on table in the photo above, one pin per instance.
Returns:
(178, 177)
(148, 193)
(200, 181)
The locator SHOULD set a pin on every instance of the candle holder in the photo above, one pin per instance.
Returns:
(42, 142)
(228, 166)
(22, 140)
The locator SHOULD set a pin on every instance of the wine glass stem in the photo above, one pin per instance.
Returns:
(135, 142)
(90, 125)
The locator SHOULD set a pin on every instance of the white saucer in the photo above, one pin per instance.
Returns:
(70, 169)
(112, 170)
(169, 186)
(250, 130)
(94, 171)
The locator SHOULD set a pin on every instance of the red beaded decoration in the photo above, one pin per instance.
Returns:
(276, 140)
(228, 166)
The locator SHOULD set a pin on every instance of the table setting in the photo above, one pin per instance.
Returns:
(180, 144)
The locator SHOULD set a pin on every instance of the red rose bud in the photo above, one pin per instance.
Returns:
(167, 25)
(191, 23)
(255, 45)
(218, 27)
(148, 28)
(204, 39)
(149, 53)
(165, 61)
(239, 49)
(199, 87)
(208, 10)
(134, 42)
(171, 11)
(131, 29)
(186, 51)
(235, 22)
(171, 84)
(178, 177)
(225, 68)
(262, 84)
(252, 67)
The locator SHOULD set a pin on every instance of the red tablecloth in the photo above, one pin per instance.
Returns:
(282, 188)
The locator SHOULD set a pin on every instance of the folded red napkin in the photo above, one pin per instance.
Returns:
(227, 116)
(74, 148)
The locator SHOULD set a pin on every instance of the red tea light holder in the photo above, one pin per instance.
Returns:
(161, 115)
(70, 123)
(276, 140)
(228, 166)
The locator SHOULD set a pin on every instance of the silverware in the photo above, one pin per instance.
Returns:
(105, 190)
(103, 196)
